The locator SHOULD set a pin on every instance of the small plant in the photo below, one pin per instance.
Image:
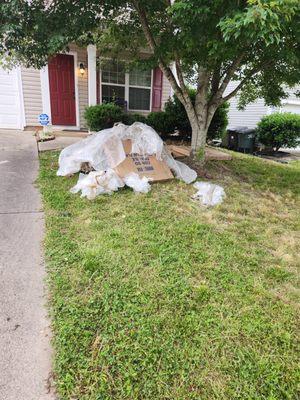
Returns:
(279, 130)
(102, 116)
(161, 122)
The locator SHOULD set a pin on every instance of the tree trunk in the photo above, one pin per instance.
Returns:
(200, 121)
(199, 134)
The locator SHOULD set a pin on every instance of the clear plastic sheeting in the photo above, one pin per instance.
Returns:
(104, 151)
(209, 194)
(181, 170)
(139, 185)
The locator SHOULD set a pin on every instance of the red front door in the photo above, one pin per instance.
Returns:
(62, 90)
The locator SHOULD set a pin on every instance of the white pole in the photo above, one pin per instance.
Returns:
(92, 80)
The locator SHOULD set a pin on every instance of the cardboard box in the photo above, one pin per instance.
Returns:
(179, 151)
(143, 165)
(210, 153)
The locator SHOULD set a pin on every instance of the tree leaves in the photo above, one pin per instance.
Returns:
(203, 34)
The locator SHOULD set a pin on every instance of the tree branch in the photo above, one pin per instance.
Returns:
(241, 84)
(202, 88)
(217, 96)
(234, 92)
(179, 73)
(215, 81)
(152, 44)
(231, 70)
(180, 92)
(181, 81)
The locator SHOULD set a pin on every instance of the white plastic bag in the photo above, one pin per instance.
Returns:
(97, 182)
(209, 194)
(139, 185)
(106, 182)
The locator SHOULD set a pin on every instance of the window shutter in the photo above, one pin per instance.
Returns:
(157, 89)
(98, 86)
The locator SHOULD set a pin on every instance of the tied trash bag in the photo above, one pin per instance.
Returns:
(209, 194)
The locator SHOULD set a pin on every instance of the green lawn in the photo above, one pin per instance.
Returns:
(155, 298)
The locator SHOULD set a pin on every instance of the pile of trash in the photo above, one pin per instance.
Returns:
(123, 155)
(128, 155)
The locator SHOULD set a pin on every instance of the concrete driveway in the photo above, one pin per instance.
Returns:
(25, 353)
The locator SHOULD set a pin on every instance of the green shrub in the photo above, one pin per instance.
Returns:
(129, 119)
(179, 118)
(102, 116)
(161, 122)
(279, 130)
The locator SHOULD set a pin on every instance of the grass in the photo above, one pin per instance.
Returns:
(156, 298)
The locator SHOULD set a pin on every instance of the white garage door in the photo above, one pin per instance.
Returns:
(10, 101)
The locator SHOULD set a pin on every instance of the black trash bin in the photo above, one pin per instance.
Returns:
(232, 139)
(246, 140)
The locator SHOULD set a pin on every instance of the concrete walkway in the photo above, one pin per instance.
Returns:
(62, 140)
(58, 143)
(25, 354)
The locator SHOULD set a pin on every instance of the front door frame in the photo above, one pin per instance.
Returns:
(46, 94)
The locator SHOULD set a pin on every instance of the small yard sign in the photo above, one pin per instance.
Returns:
(44, 119)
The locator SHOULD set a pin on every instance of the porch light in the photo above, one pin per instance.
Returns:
(81, 69)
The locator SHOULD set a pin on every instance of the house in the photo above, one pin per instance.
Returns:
(72, 81)
(255, 111)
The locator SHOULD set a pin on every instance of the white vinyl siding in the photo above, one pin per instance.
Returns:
(255, 111)
(248, 117)
(32, 95)
(292, 103)
(292, 108)
(166, 92)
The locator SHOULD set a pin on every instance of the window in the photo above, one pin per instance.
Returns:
(139, 77)
(113, 72)
(112, 93)
(113, 81)
(132, 88)
(139, 99)
(139, 89)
